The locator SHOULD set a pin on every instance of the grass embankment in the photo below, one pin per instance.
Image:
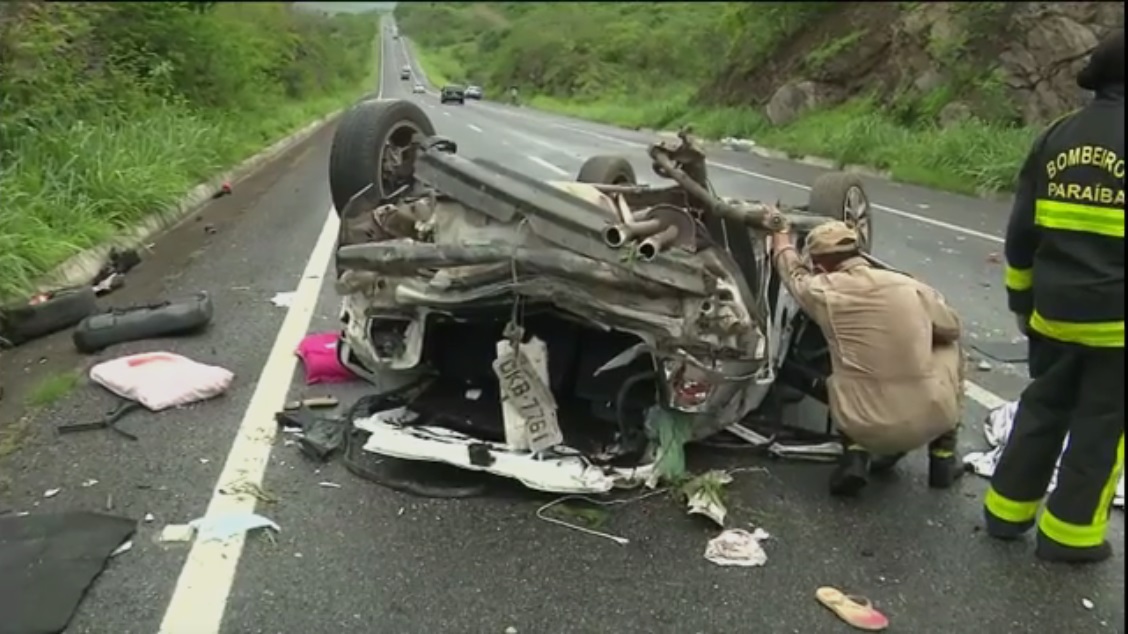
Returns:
(111, 111)
(631, 65)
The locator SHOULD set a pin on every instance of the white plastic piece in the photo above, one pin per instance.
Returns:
(160, 380)
(552, 473)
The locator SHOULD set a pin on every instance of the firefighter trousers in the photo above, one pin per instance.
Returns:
(1077, 391)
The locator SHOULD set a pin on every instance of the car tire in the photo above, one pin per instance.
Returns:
(362, 134)
(607, 170)
(842, 196)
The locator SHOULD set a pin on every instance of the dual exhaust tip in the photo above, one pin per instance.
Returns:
(655, 237)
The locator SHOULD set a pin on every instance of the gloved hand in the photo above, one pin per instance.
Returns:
(1023, 323)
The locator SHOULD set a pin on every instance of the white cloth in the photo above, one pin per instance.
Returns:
(997, 429)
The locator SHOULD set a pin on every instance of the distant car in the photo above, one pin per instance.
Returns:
(418, 89)
(453, 93)
(405, 73)
(473, 92)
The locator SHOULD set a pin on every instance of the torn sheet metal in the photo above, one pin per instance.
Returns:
(528, 408)
(997, 429)
(555, 472)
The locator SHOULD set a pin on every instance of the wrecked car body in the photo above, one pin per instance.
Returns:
(590, 309)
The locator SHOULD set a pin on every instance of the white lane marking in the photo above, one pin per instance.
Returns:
(201, 592)
(780, 181)
(473, 127)
(549, 166)
(983, 396)
(446, 113)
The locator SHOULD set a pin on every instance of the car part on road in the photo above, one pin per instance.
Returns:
(109, 421)
(48, 561)
(318, 353)
(46, 313)
(164, 319)
(371, 146)
(619, 280)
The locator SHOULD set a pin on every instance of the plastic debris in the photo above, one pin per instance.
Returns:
(705, 495)
(672, 431)
(224, 527)
(737, 547)
(50, 493)
(283, 300)
(177, 533)
(1087, 604)
(328, 485)
(86, 484)
(124, 548)
(149, 517)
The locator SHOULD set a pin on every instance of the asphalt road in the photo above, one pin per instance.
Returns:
(361, 558)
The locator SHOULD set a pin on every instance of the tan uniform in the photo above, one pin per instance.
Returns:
(896, 363)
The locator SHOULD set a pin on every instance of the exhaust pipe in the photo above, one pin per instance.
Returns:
(618, 235)
(649, 248)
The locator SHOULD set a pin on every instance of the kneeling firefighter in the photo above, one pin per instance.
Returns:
(1065, 284)
(896, 364)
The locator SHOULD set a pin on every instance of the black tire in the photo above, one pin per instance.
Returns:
(67, 307)
(165, 319)
(356, 158)
(607, 170)
(841, 195)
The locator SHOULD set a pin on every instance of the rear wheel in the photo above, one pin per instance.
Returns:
(369, 147)
(841, 196)
(607, 170)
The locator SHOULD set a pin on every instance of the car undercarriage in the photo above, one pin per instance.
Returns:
(563, 333)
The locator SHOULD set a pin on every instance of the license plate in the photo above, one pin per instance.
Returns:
(529, 397)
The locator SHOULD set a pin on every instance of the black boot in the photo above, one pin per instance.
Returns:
(943, 470)
(1050, 550)
(850, 476)
(1004, 530)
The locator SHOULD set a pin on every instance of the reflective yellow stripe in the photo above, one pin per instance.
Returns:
(1009, 510)
(1019, 279)
(941, 453)
(1097, 334)
(1055, 214)
(1072, 535)
(1103, 509)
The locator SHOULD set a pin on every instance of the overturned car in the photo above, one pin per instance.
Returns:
(566, 331)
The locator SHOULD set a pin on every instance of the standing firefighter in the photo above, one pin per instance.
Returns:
(1065, 284)
(896, 365)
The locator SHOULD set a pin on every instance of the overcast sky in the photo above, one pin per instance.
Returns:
(349, 7)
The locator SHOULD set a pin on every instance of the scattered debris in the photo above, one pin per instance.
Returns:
(243, 487)
(124, 548)
(283, 300)
(672, 431)
(316, 402)
(855, 611)
(328, 485)
(318, 353)
(168, 318)
(224, 190)
(595, 516)
(50, 493)
(173, 533)
(705, 495)
(160, 380)
(737, 547)
(48, 561)
(997, 428)
(223, 527)
(983, 366)
(1087, 604)
(86, 484)
(149, 517)
(109, 421)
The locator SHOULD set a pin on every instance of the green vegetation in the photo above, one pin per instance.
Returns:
(644, 65)
(52, 388)
(110, 111)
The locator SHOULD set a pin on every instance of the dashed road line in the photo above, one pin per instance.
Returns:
(549, 166)
(473, 127)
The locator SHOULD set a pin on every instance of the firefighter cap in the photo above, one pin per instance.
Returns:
(832, 237)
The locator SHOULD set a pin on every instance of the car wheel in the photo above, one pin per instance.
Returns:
(607, 170)
(368, 147)
(842, 196)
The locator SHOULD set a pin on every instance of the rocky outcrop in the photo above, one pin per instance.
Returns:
(1012, 60)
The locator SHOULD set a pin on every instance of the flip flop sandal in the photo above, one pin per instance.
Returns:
(858, 612)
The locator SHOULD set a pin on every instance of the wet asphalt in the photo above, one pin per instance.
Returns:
(362, 558)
